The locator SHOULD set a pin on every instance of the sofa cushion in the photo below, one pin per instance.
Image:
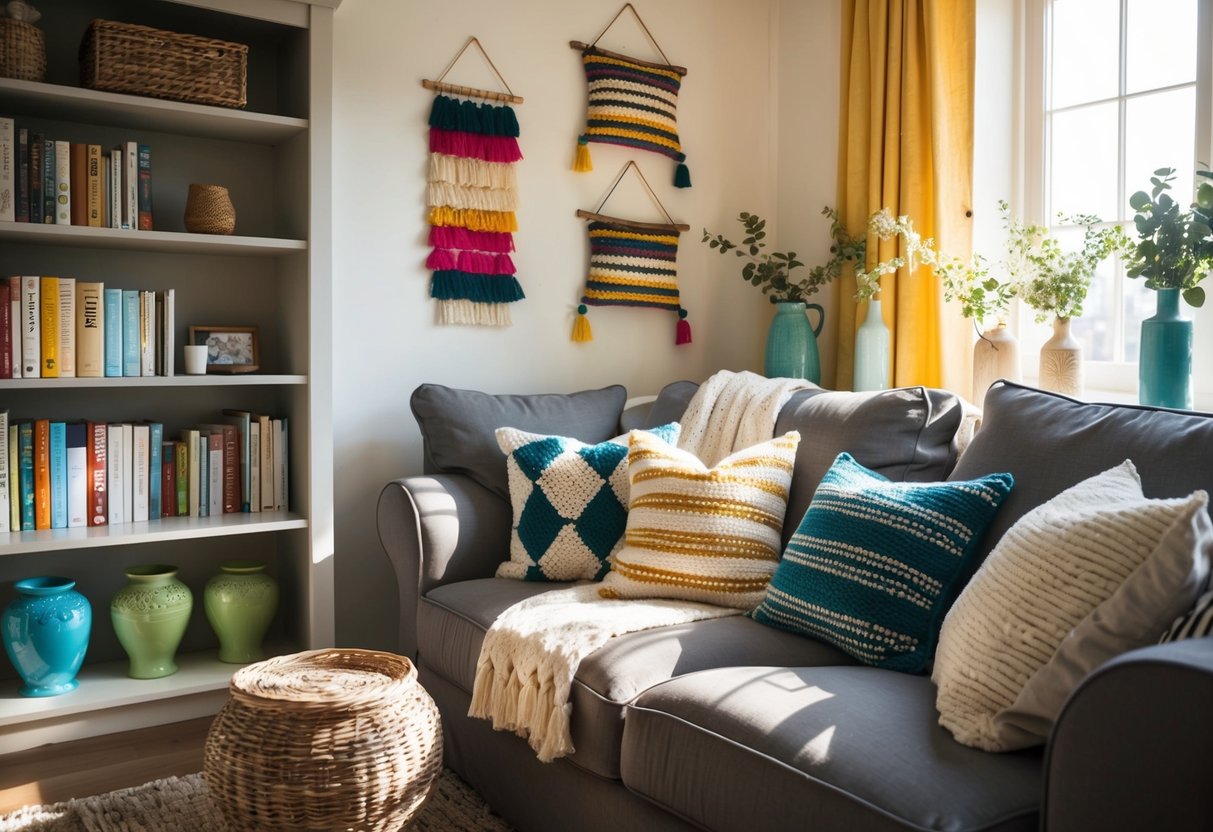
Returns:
(457, 426)
(669, 405)
(452, 621)
(827, 749)
(872, 566)
(905, 434)
(1094, 572)
(569, 501)
(700, 534)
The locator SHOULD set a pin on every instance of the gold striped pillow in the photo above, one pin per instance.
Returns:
(700, 534)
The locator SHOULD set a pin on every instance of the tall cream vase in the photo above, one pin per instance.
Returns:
(1061, 361)
(995, 356)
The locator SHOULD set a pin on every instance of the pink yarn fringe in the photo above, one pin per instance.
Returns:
(475, 146)
(454, 237)
(477, 262)
(441, 259)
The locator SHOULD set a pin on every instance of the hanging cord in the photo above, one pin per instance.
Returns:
(442, 86)
(630, 166)
(635, 14)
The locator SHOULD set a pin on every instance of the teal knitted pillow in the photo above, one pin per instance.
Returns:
(873, 563)
(570, 503)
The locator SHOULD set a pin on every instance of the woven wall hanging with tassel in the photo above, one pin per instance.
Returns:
(632, 264)
(472, 195)
(631, 102)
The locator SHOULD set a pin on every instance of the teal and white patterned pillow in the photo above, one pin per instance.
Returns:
(873, 563)
(570, 503)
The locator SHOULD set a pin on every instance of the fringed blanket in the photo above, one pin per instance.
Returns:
(732, 411)
(533, 650)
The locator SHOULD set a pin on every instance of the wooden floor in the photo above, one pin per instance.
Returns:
(100, 764)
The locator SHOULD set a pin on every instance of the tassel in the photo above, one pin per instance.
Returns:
(440, 259)
(682, 332)
(581, 162)
(581, 326)
(682, 176)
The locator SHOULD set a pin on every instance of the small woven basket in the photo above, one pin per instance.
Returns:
(22, 50)
(324, 740)
(209, 210)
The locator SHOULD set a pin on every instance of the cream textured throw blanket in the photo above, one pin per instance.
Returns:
(534, 648)
(732, 411)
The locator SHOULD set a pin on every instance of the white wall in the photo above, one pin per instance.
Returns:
(386, 341)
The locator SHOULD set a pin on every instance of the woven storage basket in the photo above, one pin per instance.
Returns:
(124, 57)
(22, 50)
(324, 740)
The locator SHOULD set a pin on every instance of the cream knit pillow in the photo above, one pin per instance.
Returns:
(1037, 615)
(702, 534)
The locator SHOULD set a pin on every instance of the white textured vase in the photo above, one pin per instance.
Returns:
(995, 356)
(1061, 361)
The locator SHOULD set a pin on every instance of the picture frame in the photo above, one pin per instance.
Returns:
(232, 349)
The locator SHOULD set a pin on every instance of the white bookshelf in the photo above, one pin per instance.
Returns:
(273, 273)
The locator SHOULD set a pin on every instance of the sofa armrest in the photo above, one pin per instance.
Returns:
(1130, 749)
(438, 530)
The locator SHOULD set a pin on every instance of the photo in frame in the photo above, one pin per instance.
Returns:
(230, 349)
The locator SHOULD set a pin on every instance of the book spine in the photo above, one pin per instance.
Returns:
(6, 329)
(95, 180)
(14, 310)
(63, 183)
(204, 474)
(141, 482)
(168, 479)
(79, 182)
(58, 472)
(254, 441)
(128, 473)
(50, 182)
(130, 186)
(147, 333)
(145, 187)
(98, 474)
(155, 441)
(158, 303)
(115, 190)
(6, 514)
(193, 467)
(77, 475)
(283, 495)
(112, 332)
(48, 302)
(106, 189)
(131, 332)
(67, 327)
(37, 208)
(182, 473)
(115, 485)
(170, 333)
(8, 170)
(267, 463)
(25, 447)
(90, 330)
(14, 479)
(21, 185)
(42, 474)
(242, 420)
(215, 472)
(31, 327)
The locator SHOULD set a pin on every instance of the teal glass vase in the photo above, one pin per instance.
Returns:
(792, 343)
(1164, 369)
(872, 351)
(45, 632)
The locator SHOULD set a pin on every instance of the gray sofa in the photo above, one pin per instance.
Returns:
(728, 724)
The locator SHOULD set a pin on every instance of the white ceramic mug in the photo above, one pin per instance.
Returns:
(195, 359)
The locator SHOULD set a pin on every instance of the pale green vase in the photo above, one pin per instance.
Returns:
(150, 614)
(240, 603)
(872, 351)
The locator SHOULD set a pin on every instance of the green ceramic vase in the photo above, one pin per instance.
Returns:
(1164, 369)
(240, 603)
(792, 343)
(150, 614)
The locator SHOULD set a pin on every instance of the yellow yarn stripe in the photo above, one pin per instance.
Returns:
(665, 300)
(705, 505)
(714, 477)
(707, 544)
(714, 583)
(609, 277)
(474, 220)
(632, 235)
(603, 59)
(648, 138)
(639, 121)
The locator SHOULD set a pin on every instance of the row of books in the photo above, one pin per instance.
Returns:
(60, 474)
(59, 327)
(56, 182)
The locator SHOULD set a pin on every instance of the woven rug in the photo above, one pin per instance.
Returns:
(177, 804)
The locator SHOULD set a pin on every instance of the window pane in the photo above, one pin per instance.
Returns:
(1085, 51)
(1161, 42)
(1139, 305)
(1160, 131)
(1083, 161)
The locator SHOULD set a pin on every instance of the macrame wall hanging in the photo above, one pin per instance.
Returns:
(631, 102)
(472, 197)
(632, 264)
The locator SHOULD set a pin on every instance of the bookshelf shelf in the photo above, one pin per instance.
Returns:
(248, 380)
(170, 242)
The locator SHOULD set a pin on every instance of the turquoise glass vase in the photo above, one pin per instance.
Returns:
(872, 351)
(46, 630)
(1164, 369)
(792, 343)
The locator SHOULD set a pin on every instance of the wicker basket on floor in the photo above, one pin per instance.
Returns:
(22, 50)
(323, 740)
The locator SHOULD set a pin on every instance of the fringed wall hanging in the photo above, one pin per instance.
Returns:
(472, 197)
(631, 102)
(632, 264)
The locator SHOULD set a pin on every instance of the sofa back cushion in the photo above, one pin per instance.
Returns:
(458, 427)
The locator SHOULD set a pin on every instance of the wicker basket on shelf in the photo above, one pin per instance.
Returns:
(125, 57)
(22, 50)
(322, 740)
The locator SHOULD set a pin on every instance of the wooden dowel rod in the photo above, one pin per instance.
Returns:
(470, 92)
(651, 226)
(582, 47)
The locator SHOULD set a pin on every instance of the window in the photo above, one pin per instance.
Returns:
(1124, 91)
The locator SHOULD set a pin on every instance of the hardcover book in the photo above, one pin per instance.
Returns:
(116, 487)
(14, 479)
(77, 474)
(14, 307)
(58, 472)
(182, 472)
(50, 183)
(90, 329)
(48, 302)
(67, 327)
(128, 472)
(63, 183)
(130, 186)
(145, 187)
(156, 468)
(95, 178)
(192, 470)
(6, 514)
(115, 187)
(21, 185)
(242, 419)
(112, 332)
(8, 170)
(6, 332)
(215, 472)
(79, 183)
(25, 450)
(42, 473)
(31, 327)
(37, 207)
(231, 464)
(147, 333)
(132, 331)
(141, 487)
(168, 479)
(98, 474)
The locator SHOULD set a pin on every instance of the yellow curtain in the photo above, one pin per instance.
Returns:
(906, 144)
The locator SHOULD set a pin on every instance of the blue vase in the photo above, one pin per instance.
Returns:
(792, 343)
(45, 631)
(1164, 370)
(872, 351)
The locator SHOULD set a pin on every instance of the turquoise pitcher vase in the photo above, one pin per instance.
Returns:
(792, 343)
(1164, 369)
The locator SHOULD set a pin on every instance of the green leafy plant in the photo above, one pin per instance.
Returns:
(1174, 249)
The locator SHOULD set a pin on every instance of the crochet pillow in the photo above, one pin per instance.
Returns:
(1195, 623)
(570, 503)
(699, 534)
(872, 566)
(1095, 571)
